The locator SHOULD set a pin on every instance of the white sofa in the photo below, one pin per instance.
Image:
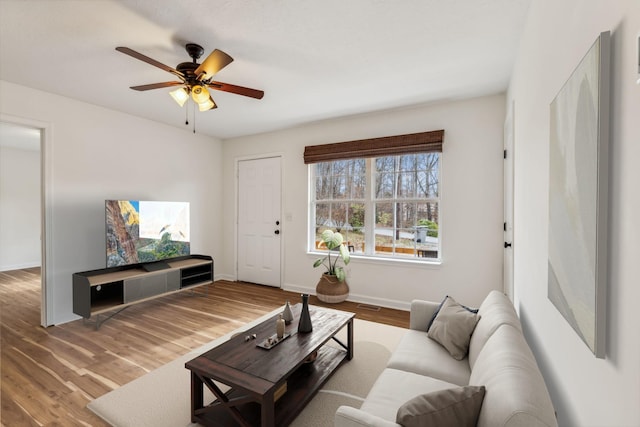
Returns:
(499, 359)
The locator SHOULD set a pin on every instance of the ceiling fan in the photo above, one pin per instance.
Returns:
(194, 78)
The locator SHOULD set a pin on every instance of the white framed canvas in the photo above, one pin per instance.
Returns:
(578, 196)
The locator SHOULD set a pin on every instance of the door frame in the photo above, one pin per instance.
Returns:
(508, 268)
(46, 139)
(236, 204)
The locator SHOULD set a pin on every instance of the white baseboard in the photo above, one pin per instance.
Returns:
(364, 299)
(229, 277)
(297, 288)
(19, 266)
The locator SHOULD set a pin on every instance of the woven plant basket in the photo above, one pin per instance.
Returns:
(330, 290)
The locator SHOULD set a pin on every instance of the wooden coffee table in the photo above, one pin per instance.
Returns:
(269, 387)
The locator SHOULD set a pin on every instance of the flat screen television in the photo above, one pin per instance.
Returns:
(145, 231)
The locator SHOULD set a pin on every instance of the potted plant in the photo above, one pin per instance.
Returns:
(333, 287)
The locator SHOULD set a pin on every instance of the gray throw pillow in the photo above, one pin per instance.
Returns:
(452, 328)
(458, 407)
(435, 313)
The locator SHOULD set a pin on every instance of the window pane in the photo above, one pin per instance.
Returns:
(384, 243)
(432, 168)
(406, 185)
(338, 216)
(427, 211)
(427, 234)
(356, 215)
(385, 164)
(384, 228)
(358, 187)
(406, 215)
(384, 185)
(323, 181)
(359, 166)
(323, 214)
(384, 215)
(340, 167)
(405, 244)
(340, 190)
(356, 238)
(408, 163)
(422, 189)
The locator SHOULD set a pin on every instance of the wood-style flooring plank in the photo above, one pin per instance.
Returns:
(48, 375)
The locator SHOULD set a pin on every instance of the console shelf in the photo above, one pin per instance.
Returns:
(99, 291)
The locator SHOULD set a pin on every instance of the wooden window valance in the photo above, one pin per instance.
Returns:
(423, 142)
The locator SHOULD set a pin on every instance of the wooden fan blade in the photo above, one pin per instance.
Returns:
(226, 87)
(148, 60)
(157, 85)
(215, 62)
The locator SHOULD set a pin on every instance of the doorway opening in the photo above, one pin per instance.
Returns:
(23, 245)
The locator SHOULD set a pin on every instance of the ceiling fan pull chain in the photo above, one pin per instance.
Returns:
(186, 116)
(194, 119)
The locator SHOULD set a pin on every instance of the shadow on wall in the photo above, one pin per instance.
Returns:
(560, 404)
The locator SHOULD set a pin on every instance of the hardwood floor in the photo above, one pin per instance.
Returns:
(48, 375)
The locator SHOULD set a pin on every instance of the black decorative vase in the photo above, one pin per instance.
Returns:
(304, 326)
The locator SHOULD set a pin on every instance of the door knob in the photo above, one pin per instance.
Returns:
(277, 232)
(507, 245)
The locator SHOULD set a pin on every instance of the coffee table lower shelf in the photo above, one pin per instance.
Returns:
(302, 385)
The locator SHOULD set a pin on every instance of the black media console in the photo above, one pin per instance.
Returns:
(113, 289)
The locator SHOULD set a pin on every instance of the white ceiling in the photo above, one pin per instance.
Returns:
(314, 60)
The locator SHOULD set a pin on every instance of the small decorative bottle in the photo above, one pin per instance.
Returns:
(280, 327)
(287, 314)
(304, 325)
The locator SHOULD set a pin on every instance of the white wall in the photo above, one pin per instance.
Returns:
(586, 391)
(471, 205)
(96, 154)
(20, 211)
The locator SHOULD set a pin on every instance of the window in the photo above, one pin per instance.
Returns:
(382, 194)
(384, 206)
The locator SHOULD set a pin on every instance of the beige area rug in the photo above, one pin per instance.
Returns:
(162, 397)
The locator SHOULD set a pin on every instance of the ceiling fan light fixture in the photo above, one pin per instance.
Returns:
(207, 105)
(200, 94)
(195, 79)
(180, 96)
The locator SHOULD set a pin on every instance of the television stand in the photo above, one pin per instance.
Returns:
(155, 266)
(106, 316)
(110, 290)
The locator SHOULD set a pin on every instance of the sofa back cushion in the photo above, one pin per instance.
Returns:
(495, 310)
(516, 394)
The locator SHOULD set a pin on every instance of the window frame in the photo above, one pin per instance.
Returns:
(370, 201)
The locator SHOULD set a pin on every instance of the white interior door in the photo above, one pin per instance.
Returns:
(508, 202)
(259, 223)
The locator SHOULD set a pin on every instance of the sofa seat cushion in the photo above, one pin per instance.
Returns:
(516, 394)
(394, 388)
(419, 354)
